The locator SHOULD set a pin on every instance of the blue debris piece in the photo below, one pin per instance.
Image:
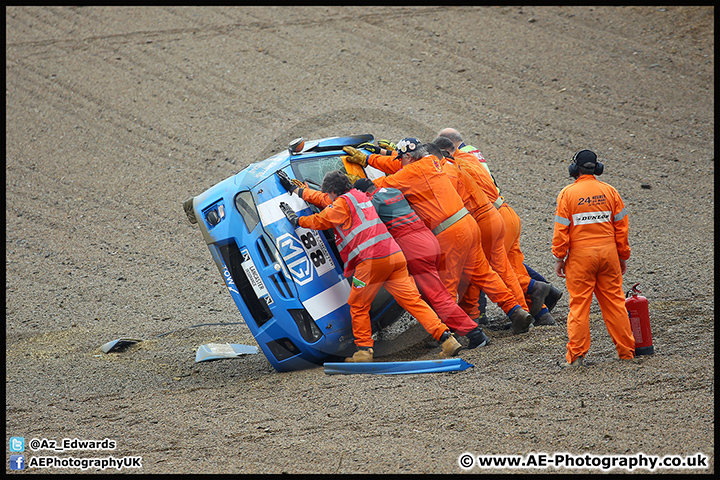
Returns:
(397, 368)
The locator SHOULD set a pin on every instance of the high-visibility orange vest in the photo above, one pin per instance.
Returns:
(367, 236)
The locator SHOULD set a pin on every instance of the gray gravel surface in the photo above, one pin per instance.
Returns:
(115, 115)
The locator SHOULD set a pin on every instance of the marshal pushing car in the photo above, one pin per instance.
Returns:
(287, 283)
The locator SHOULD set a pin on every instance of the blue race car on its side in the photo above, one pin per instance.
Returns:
(287, 283)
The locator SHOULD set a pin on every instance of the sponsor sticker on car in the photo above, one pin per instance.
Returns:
(254, 277)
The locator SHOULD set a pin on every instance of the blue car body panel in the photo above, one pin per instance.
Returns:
(287, 282)
(398, 368)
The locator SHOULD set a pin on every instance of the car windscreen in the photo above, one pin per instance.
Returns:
(313, 170)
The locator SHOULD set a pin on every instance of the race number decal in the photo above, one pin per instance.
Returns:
(305, 254)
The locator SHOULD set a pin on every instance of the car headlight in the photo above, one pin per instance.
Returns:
(215, 214)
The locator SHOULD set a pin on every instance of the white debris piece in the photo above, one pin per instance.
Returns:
(216, 351)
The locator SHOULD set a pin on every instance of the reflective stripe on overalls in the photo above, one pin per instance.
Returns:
(366, 233)
(449, 221)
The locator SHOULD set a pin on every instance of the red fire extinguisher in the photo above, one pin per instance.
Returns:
(637, 307)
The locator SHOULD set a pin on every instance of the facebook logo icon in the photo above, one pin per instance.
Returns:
(17, 462)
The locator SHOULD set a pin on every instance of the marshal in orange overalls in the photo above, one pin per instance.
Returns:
(435, 200)
(373, 259)
(492, 235)
(591, 228)
(515, 256)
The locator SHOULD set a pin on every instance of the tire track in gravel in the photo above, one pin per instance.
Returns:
(209, 30)
(602, 106)
(371, 19)
(75, 102)
(171, 63)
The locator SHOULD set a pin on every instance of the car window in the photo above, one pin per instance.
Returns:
(313, 170)
(246, 207)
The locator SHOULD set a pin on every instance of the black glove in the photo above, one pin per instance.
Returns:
(290, 214)
(285, 181)
(369, 147)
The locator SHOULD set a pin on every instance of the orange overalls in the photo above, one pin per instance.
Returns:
(591, 228)
(492, 233)
(510, 217)
(479, 158)
(436, 201)
(372, 258)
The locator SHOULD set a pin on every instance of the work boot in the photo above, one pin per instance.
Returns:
(364, 354)
(477, 338)
(450, 346)
(520, 320)
(553, 297)
(539, 291)
(578, 362)
(544, 319)
(629, 360)
(482, 319)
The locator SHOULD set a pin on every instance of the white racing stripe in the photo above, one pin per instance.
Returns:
(328, 300)
(270, 212)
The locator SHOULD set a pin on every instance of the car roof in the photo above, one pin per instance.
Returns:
(258, 171)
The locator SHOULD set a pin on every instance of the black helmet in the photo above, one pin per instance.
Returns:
(407, 145)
